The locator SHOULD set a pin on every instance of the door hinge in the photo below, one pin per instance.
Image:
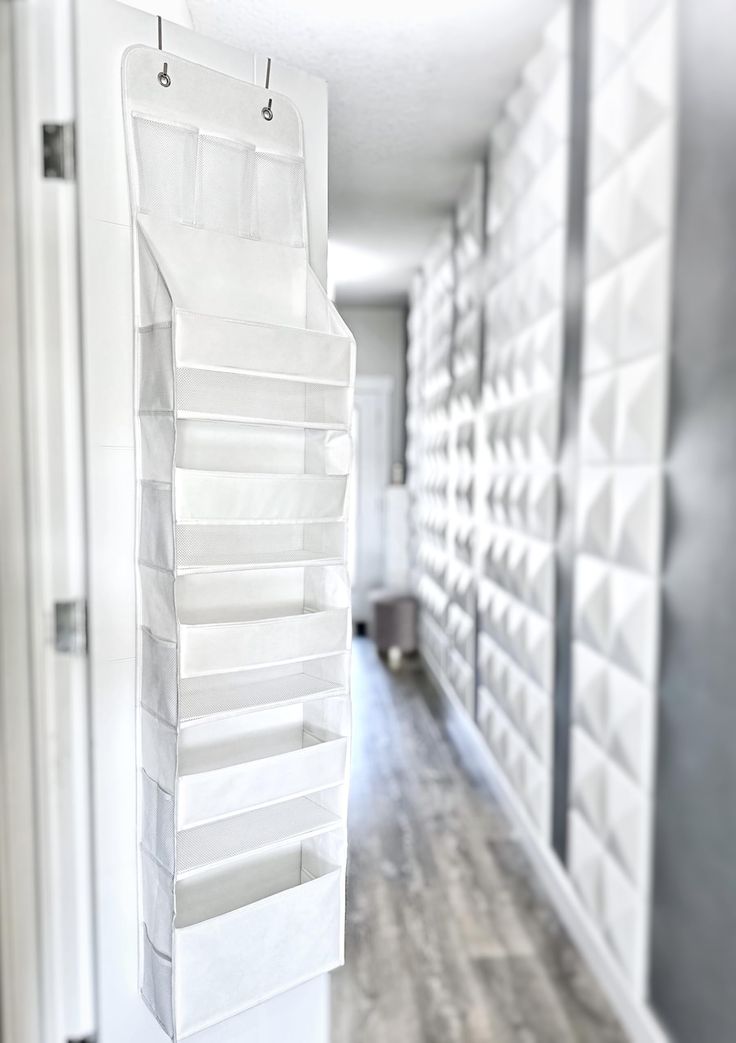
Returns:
(70, 626)
(59, 151)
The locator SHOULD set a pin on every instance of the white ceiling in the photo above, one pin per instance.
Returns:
(414, 86)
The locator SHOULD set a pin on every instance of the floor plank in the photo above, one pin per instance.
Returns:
(449, 939)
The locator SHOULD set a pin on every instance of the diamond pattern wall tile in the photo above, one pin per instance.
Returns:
(598, 410)
(629, 735)
(603, 321)
(644, 305)
(619, 530)
(517, 457)
(588, 781)
(592, 695)
(636, 518)
(585, 862)
(640, 414)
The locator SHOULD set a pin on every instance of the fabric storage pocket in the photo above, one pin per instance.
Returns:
(158, 827)
(296, 914)
(157, 984)
(156, 368)
(229, 396)
(156, 528)
(233, 620)
(209, 649)
(230, 765)
(211, 496)
(157, 904)
(256, 546)
(316, 356)
(219, 445)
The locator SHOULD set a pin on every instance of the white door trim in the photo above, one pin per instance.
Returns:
(46, 703)
(20, 965)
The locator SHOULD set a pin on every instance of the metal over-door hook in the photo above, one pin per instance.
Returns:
(163, 77)
(267, 110)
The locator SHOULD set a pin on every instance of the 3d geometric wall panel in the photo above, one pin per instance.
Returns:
(620, 491)
(463, 409)
(516, 461)
(244, 375)
(430, 384)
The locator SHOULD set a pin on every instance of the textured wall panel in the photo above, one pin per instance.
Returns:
(431, 326)
(466, 371)
(620, 484)
(519, 423)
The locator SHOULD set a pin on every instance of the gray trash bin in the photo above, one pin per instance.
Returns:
(394, 622)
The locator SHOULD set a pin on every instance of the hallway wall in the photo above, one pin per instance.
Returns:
(380, 336)
(694, 916)
(548, 633)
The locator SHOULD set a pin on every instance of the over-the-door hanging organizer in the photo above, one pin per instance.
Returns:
(244, 376)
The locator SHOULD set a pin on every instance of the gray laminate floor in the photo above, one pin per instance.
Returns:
(449, 939)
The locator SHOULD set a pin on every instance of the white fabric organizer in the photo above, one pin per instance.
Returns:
(244, 377)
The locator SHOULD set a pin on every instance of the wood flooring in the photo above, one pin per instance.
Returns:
(449, 939)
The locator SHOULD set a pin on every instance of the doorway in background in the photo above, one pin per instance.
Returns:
(372, 434)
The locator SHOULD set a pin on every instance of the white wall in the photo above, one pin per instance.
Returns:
(380, 333)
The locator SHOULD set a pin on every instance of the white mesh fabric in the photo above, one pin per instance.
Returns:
(279, 199)
(225, 185)
(167, 156)
(239, 835)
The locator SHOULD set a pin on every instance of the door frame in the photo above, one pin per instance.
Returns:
(382, 385)
(46, 894)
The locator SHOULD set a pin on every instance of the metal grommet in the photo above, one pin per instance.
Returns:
(163, 77)
(267, 112)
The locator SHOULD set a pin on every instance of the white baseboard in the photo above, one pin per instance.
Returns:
(637, 1018)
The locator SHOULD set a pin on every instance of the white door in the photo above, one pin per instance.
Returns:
(372, 433)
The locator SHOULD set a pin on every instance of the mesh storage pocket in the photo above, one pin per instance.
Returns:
(157, 601)
(158, 750)
(158, 827)
(225, 185)
(156, 449)
(239, 835)
(158, 677)
(156, 984)
(157, 904)
(167, 155)
(280, 199)
(155, 391)
(156, 530)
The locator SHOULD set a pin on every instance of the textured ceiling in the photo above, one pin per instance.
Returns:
(414, 87)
